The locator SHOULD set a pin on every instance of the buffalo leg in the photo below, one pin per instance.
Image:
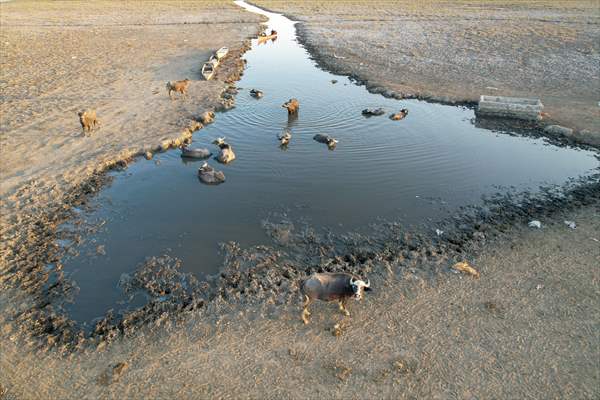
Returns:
(342, 304)
(305, 312)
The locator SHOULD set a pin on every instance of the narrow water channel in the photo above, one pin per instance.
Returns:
(380, 169)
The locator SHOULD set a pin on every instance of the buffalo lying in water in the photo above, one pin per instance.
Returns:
(399, 115)
(226, 155)
(209, 175)
(199, 153)
(329, 141)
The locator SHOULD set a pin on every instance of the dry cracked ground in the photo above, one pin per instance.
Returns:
(528, 328)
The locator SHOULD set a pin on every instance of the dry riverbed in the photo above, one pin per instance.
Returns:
(457, 50)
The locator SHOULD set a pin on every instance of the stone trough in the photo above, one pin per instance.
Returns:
(511, 107)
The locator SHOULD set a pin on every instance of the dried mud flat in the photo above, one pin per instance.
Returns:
(454, 51)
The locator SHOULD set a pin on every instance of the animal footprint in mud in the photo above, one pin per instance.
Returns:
(113, 373)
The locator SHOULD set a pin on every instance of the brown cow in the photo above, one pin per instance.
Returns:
(88, 120)
(178, 86)
(292, 106)
(399, 115)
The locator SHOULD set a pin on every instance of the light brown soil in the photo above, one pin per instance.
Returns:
(458, 50)
(528, 329)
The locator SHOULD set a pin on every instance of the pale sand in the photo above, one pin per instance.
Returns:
(528, 328)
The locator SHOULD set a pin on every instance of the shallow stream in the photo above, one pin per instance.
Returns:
(417, 170)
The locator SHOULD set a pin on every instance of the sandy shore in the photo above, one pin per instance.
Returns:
(457, 50)
(528, 328)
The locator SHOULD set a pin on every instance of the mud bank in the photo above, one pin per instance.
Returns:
(430, 52)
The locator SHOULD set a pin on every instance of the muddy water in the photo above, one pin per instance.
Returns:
(416, 170)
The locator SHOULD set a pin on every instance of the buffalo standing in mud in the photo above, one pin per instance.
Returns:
(88, 120)
(178, 86)
(329, 286)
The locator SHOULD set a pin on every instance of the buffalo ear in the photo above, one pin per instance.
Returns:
(367, 289)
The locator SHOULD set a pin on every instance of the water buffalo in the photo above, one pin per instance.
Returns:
(209, 175)
(329, 141)
(292, 106)
(368, 112)
(178, 86)
(88, 120)
(284, 137)
(399, 115)
(256, 93)
(226, 155)
(329, 286)
(199, 152)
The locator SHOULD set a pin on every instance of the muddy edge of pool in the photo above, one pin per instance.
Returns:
(268, 275)
(585, 133)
